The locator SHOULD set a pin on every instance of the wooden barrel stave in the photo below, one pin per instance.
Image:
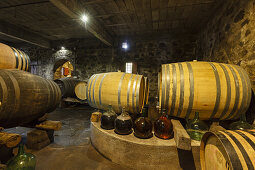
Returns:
(67, 86)
(146, 91)
(216, 90)
(80, 90)
(25, 97)
(118, 89)
(228, 150)
(11, 58)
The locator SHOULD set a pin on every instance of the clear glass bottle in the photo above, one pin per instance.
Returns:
(123, 123)
(242, 124)
(143, 126)
(108, 118)
(163, 127)
(196, 128)
(22, 161)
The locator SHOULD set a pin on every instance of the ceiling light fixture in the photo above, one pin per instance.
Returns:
(84, 18)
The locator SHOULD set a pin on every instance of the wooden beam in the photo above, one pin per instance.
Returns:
(71, 8)
(21, 34)
(181, 137)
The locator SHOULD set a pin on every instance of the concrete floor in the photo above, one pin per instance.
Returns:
(72, 149)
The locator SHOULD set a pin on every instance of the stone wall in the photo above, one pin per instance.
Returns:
(148, 55)
(230, 36)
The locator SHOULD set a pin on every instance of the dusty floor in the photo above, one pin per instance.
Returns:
(72, 149)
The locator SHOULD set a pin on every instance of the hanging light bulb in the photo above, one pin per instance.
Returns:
(84, 18)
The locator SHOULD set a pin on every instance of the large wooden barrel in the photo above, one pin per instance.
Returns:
(80, 90)
(11, 58)
(24, 97)
(118, 89)
(146, 91)
(215, 90)
(228, 150)
(67, 86)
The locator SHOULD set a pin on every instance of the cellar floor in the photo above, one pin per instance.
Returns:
(72, 149)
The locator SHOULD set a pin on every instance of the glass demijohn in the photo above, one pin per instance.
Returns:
(123, 123)
(163, 127)
(22, 161)
(242, 124)
(196, 128)
(108, 118)
(143, 126)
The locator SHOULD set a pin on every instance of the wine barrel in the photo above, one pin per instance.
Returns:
(25, 97)
(228, 150)
(146, 91)
(216, 90)
(80, 90)
(118, 89)
(67, 86)
(11, 58)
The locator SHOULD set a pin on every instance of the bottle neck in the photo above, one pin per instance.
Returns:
(196, 116)
(243, 118)
(21, 149)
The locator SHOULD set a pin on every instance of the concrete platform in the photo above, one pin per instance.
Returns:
(153, 153)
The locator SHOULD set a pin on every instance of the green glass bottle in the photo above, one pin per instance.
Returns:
(22, 161)
(196, 128)
(242, 124)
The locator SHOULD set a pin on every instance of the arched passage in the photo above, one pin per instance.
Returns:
(62, 68)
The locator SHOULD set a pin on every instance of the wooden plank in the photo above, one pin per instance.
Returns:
(3, 166)
(195, 148)
(9, 139)
(21, 34)
(216, 127)
(50, 125)
(181, 137)
(71, 8)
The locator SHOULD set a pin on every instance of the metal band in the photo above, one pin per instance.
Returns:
(167, 86)
(28, 64)
(119, 91)
(251, 132)
(191, 97)
(234, 159)
(25, 60)
(100, 87)
(173, 89)
(228, 91)
(249, 89)
(181, 90)
(4, 94)
(50, 95)
(94, 101)
(128, 89)
(218, 88)
(248, 140)
(89, 91)
(242, 149)
(133, 93)
(21, 57)
(244, 98)
(137, 93)
(17, 58)
(16, 91)
(237, 96)
(163, 86)
(56, 97)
